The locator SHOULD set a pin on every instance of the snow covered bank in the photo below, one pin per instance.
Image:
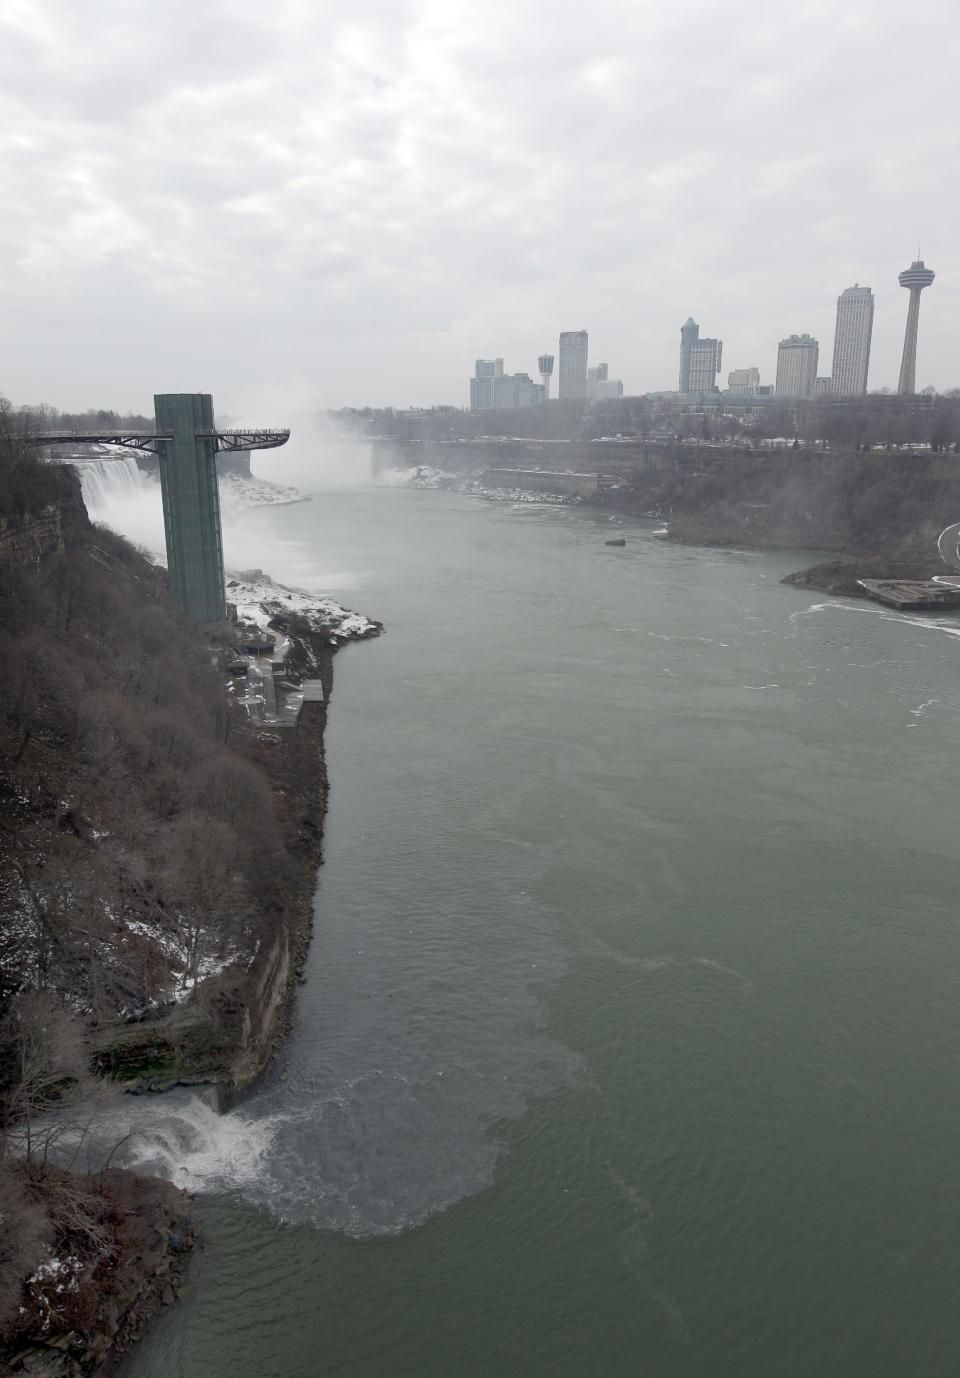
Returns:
(428, 476)
(420, 476)
(259, 599)
(238, 493)
(480, 490)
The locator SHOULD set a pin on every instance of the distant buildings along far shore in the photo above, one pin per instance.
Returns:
(492, 389)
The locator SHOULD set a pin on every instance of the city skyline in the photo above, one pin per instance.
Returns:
(309, 233)
(798, 357)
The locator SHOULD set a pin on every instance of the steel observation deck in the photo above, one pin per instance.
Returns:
(149, 442)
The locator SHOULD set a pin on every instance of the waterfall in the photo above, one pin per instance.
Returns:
(179, 1136)
(118, 494)
(107, 480)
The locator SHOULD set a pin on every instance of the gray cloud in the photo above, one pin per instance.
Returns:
(341, 203)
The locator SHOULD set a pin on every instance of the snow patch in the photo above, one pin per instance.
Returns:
(259, 599)
(239, 493)
(175, 949)
(420, 476)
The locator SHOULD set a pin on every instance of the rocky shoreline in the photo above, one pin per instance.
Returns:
(841, 578)
(224, 1035)
(879, 514)
(748, 527)
(83, 1322)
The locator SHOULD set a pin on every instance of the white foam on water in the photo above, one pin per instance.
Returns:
(203, 1151)
(921, 709)
(929, 624)
(182, 1138)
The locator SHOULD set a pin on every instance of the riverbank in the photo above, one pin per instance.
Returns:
(842, 578)
(879, 512)
(159, 846)
(226, 1029)
(85, 1305)
(223, 1035)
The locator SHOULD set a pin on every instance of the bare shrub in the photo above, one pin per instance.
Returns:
(25, 1236)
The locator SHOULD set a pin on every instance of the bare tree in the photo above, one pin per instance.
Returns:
(25, 1235)
(45, 1067)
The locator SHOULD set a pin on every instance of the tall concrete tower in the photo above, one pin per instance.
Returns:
(545, 365)
(915, 279)
(689, 334)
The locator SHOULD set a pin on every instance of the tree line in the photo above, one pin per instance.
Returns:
(877, 419)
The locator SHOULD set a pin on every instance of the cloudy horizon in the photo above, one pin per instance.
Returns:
(322, 205)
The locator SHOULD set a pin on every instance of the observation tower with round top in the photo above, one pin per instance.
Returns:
(915, 279)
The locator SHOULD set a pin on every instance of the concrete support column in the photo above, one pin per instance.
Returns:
(908, 365)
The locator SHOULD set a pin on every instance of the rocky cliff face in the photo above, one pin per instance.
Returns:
(28, 533)
(877, 505)
(70, 1326)
(158, 856)
(227, 1032)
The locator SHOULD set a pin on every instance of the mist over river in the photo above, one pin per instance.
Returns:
(629, 1042)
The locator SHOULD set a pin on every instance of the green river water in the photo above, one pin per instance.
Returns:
(629, 1042)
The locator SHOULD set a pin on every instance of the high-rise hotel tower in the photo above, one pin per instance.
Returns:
(689, 334)
(573, 364)
(797, 366)
(699, 360)
(851, 341)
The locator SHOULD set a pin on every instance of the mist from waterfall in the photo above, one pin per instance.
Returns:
(321, 454)
(119, 494)
(101, 479)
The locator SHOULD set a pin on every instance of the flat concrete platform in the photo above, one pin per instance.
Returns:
(912, 595)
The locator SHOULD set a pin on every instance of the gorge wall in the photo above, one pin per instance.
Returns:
(158, 856)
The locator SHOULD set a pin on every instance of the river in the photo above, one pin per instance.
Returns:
(629, 1041)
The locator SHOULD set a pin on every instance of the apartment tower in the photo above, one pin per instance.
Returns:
(797, 366)
(689, 334)
(483, 383)
(705, 357)
(851, 341)
(573, 365)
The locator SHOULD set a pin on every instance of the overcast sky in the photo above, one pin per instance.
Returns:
(299, 202)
